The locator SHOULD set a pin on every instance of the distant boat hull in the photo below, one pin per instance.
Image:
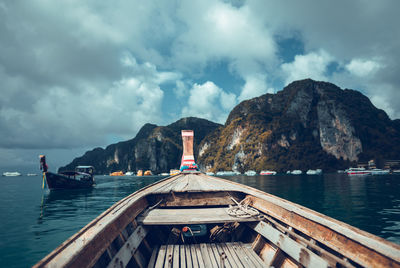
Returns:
(58, 181)
(11, 174)
(380, 171)
(268, 172)
(358, 172)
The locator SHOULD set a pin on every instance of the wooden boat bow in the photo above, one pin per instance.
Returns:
(147, 228)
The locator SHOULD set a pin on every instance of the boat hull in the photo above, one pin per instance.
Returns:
(57, 181)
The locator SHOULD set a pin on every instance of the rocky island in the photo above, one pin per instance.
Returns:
(308, 124)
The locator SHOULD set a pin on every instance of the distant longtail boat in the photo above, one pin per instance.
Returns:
(81, 177)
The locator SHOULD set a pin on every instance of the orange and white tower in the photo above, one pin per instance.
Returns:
(187, 162)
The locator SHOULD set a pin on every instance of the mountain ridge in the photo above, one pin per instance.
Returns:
(308, 124)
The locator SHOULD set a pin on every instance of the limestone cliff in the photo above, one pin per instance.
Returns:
(307, 125)
(157, 148)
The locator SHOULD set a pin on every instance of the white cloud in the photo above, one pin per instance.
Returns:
(255, 85)
(363, 67)
(312, 65)
(381, 102)
(210, 102)
(180, 89)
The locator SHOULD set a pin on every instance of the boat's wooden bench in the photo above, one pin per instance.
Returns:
(201, 255)
(163, 216)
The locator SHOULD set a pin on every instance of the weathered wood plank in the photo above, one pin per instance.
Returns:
(193, 253)
(214, 259)
(189, 216)
(245, 256)
(161, 256)
(220, 261)
(267, 252)
(139, 258)
(128, 249)
(232, 254)
(197, 199)
(224, 256)
(235, 263)
(199, 256)
(295, 250)
(153, 257)
(253, 256)
(206, 256)
(189, 262)
(176, 259)
(182, 255)
(169, 256)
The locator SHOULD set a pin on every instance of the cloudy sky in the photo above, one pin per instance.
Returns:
(77, 74)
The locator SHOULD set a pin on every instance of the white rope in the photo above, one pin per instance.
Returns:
(242, 210)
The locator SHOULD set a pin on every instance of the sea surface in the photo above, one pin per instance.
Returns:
(34, 221)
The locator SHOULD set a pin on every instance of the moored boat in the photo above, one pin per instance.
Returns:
(228, 173)
(117, 173)
(148, 173)
(250, 173)
(268, 172)
(129, 173)
(174, 172)
(82, 177)
(139, 173)
(195, 220)
(377, 171)
(296, 172)
(314, 172)
(11, 174)
(357, 171)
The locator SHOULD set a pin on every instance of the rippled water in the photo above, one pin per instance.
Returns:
(35, 221)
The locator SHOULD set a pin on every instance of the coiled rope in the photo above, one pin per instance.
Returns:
(242, 210)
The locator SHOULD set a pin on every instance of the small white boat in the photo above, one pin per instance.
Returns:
(314, 172)
(296, 172)
(378, 171)
(210, 173)
(129, 173)
(31, 174)
(164, 174)
(358, 171)
(227, 173)
(11, 174)
(268, 172)
(250, 173)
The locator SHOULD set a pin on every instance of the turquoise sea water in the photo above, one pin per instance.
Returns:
(35, 221)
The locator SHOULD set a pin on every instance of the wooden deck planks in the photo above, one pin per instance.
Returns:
(176, 257)
(161, 216)
(203, 255)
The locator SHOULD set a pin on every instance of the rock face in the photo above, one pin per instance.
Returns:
(307, 125)
(157, 148)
